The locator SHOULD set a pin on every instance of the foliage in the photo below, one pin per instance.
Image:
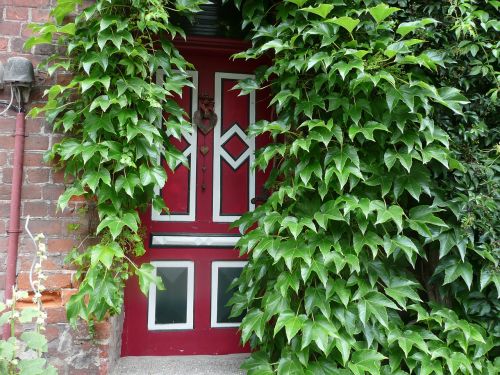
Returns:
(364, 258)
(360, 260)
(25, 354)
(467, 35)
(117, 119)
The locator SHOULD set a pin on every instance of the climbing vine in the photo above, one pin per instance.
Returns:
(113, 115)
(362, 259)
(359, 261)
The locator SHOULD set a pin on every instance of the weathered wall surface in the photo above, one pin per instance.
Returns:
(71, 351)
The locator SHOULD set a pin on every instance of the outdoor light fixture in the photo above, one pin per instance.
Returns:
(19, 73)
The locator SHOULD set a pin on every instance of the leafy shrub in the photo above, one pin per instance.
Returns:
(357, 254)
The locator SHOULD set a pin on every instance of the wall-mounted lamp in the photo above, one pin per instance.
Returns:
(19, 73)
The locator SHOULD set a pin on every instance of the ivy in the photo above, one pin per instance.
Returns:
(117, 121)
(377, 250)
(356, 258)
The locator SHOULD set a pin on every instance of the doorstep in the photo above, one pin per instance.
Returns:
(181, 365)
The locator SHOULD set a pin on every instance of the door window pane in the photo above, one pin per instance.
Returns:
(171, 303)
(223, 274)
(172, 308)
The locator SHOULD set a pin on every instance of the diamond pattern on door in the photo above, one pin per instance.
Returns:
(235, 114)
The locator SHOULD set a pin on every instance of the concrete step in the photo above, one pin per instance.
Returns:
(181, 365)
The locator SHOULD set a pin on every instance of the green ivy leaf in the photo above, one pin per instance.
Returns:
(394, 213)
(253, 322)
(321, 331)
(366, 360)
(347, 23)
(116, 224)
(321, 10)
(459, 269)
(105, 253)
(292, 323)
(382, 11)
(257, 364)
(147, 277)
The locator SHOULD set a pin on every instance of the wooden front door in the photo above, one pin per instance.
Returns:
(192, 248)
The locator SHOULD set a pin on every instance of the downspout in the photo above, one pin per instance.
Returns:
(19, 73)
(15, 210)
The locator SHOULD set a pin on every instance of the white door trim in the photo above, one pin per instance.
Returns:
(220, 153)
(191, 151)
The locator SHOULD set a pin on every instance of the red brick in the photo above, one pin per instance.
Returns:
(6, 124)
(7, 142)
(27, 32)
(3, 158)
(32, 159)
(35, 209)
(31, 3)
(4, 209)
(23, 281)
(37, 142)
(45, 49)
(4, 44)
(5, 191)
(7, 175)
(38, 175)
(16, 14)
(52, 192)
(63, 78)
(58, 281)
(102, 330)
(68, 211)
(66, 295)
(51, 332)
(10, 28)
(40, 15)
(60, 245)
(56, 315)
(34, 126)
(47, 227)
(52, 264)
(37, 93)
(31, 192)
(17, 44)
(58, 177)
(3, 240)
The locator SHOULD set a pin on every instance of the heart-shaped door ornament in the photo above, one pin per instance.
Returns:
(204, 150)
(205, 118)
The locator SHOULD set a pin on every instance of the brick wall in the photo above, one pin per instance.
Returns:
(71, 351)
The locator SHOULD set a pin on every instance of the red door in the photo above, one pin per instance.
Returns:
(192, 248)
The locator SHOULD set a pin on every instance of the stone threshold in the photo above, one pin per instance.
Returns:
(181, 365)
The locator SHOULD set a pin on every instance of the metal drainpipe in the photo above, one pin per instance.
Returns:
(15, 210)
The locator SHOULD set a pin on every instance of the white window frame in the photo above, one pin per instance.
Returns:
(179, 240)
(191, 150)
(152, 326)
(216, 265)
(219, 152)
